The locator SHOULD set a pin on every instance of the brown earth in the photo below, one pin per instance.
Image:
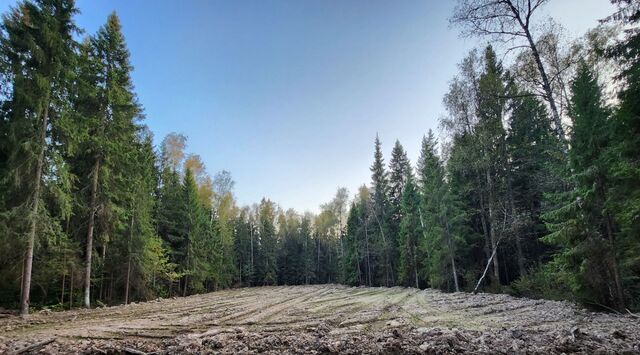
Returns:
(327, 319)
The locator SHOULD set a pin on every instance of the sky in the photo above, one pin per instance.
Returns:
(289, 95)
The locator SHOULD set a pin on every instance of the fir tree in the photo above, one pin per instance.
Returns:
(443, 220)
(624, 166)
(268, 272)
(380, 208)
(398, 166)
(410, 233)
(581, 225)
(38, 47)
(107, 113)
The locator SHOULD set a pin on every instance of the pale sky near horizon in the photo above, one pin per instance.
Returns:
(289, 95)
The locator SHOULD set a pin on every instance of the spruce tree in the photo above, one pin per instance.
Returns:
(107, 112)
(410, 233)
(398, 166)
(380, 210)
(491, 138)
(443, 220)
(581, 225)
(38, 47)
(267, 273)
(352, 271)
(624, 168)
(200, 256)
(535, 158)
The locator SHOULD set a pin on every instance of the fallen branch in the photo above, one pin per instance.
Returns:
(133, 351)
(632, 314)
(495, 250)
(475, 290)
(605, 307)
(33, 346)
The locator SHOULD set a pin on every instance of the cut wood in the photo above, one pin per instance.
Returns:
(134, 351)
(33, 346)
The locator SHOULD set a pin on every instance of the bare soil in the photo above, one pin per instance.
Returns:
(327, 319)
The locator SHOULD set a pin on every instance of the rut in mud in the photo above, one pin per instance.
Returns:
(326, 319)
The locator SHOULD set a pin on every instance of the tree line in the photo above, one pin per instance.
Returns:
(532, 188)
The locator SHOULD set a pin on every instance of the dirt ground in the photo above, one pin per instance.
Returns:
(326, 319)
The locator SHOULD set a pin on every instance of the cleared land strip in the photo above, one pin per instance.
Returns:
(326, 319)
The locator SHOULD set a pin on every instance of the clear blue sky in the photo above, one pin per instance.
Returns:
(288, 95)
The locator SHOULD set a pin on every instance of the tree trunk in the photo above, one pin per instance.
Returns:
(341, 264)
(546, 84)
(89, 250)
(186, 282)
(252, 270)
(31, 237)
(452, 255)
(110, 287)
(388, 269)
(415, 264)
(614, 264)
(103, 274)
(318, 263)
(306, 259)
(475, 290)
(485, 229)
(62, 293)
(366, 234)
(126, 291)
(71, 289)
(492, 227)
(357, 258)
(520, 254)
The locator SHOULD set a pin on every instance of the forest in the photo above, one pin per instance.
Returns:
(529, 186)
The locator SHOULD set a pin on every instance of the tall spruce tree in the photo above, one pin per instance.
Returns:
(443, 220)
(535, 157)
(107, 114)
(410, 233)
(268, 269)
(491, 136)
(358, 260)
(398, 166)
(581, 225)
(381, 267)
(200, 256)
(624, 168)
(38, 47)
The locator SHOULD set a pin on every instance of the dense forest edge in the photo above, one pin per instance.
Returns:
(531, 188)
